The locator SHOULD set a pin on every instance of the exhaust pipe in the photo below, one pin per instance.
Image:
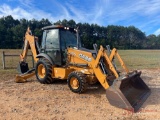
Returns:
(128, 92)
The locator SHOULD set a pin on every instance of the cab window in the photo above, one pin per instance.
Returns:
(68, 39)
(52, 39)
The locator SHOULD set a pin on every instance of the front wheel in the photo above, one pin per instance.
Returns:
(77, 82)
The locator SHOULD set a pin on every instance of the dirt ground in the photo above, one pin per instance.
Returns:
(36, 101)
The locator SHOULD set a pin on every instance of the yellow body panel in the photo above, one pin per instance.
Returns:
(61, 73)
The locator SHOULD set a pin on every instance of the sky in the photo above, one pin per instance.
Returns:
(143, 14)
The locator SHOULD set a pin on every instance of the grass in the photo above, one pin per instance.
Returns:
(12, 62)
(141, 59)
(134, 59)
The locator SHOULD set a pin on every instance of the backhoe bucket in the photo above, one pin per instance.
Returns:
(22, 67)
(128, 92)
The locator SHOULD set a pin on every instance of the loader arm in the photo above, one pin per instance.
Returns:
(98, 72)
(115, 53)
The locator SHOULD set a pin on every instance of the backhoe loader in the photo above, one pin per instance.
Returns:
(62, 57)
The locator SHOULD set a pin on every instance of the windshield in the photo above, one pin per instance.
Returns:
(68, 39)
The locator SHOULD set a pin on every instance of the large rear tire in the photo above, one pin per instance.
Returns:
(44, 71)
(77, 82)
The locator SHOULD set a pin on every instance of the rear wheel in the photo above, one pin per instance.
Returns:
(77, 82)
(44, 71)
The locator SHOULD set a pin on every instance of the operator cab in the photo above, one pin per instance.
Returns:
(55, 41)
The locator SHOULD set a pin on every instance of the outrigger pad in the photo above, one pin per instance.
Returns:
(22, 67)
(128, 93)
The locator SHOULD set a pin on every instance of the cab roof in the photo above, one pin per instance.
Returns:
(59, 27)
(52, 27)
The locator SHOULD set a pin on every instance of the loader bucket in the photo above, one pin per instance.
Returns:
(129, 92)
(22, 67)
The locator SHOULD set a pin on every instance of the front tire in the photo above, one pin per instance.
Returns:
(44, 71)
(77, 82)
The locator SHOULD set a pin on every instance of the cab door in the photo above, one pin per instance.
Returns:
(51, 45)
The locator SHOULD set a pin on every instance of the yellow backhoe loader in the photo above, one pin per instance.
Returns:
(62, 57)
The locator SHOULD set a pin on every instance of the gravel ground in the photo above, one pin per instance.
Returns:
(32, 100)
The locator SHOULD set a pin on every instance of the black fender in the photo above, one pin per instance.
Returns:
(45, 56)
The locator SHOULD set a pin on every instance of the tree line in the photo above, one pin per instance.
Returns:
(12, 32)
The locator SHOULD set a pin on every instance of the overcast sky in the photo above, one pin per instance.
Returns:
(143, 14)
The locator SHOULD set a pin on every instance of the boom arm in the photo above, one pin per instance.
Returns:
(31, 41)
(22, 68)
